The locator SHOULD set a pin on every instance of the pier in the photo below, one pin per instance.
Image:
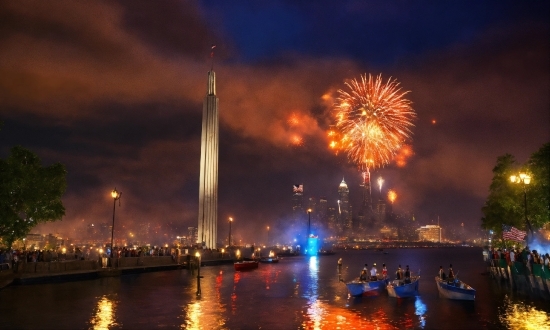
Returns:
(69, 270)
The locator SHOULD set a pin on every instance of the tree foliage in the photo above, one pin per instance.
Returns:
(538, 192)
(501, 206)
(506, 201)
(29, 193)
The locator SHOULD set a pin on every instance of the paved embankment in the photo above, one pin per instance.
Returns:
(72, 270)
(532, 281)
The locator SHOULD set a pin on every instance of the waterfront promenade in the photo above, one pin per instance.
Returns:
(24, 272)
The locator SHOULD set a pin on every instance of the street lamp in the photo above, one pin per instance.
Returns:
(308, 222)
(268, 236)
(229, 238)
(116, 196)
(524, 179)
(198, 256)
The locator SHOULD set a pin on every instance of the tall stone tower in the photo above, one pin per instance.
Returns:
(208, 186)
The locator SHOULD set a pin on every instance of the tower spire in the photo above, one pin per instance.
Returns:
(208, 181)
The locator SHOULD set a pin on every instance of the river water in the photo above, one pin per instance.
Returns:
(297, 293)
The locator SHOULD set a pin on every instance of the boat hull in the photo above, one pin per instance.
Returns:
(245, 265)
(399, 289)
(269, 260)
(358, 288)
(456, 290)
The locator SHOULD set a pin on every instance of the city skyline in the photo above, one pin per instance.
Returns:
(114, 92)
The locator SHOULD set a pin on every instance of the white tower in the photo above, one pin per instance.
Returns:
(208, 186)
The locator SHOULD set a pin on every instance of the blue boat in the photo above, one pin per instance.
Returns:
(455, 289)
(400, 289)
(358, 288)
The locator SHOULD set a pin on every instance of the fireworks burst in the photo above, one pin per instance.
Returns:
(373, 121)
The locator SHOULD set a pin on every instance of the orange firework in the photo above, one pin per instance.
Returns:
(373, 121)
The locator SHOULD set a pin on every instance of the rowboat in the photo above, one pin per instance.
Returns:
(246, 265)
(358, 288)
(400, 289)
(455, 289)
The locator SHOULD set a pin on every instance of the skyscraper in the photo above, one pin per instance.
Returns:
(345, 208)
(297, 202)
(208, 184)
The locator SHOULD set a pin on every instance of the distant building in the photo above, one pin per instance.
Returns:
(192, 237)
(297, 201)
(430, 233)
(344, 211)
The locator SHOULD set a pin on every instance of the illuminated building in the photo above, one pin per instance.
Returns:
(208, 182)
(344, 208)
(298, 212)
(430, 233)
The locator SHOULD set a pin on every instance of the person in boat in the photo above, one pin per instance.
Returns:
(399, 273)
(363, 276)
(373, 273)
(407, 275)
(442, 274)
(384, 272)
(451, 277)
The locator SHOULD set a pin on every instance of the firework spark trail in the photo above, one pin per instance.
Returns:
(373, 120)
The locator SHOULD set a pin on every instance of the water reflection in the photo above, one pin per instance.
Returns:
(523, 316)
(420, 310)
(104, 316)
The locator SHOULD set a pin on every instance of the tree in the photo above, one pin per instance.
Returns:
(29, 193)
(538, 191)
(502, 205)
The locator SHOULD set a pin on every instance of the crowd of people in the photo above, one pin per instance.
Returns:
(9, 258)
(525, 256)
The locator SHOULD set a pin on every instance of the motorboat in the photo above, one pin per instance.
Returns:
(402, 288)
(246, 265)
(358, 288)
(269, 260)
(323, 252)
(455, 289)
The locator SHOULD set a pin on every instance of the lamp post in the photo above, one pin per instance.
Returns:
(308, 222)
(267, 236)
(116, 196)
(198, 256)
(524, 179)
(229, 238)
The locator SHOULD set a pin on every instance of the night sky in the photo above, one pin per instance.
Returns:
(114, 91)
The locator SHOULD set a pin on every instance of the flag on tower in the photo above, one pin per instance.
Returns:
(212, 52)
(512, 233)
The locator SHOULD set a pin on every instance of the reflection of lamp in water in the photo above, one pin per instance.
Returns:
(104, 317)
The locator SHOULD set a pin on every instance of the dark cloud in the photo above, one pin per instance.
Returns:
(114, 91)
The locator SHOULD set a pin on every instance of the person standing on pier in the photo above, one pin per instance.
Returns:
(384, 272)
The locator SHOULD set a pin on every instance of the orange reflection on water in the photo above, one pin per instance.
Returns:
(321, 315)
(104, 315)
(522, 316)
(193, 317)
